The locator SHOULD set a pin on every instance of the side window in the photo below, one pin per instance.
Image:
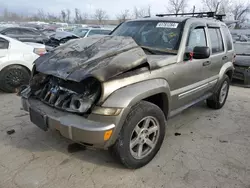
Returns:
(197, 37)
(11, 32)
(4, 44)
(27, 32)
(105, 32)
(94, 32)
(216, 40)
(228, 38)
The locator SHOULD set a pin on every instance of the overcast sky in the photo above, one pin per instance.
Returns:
(113, 7)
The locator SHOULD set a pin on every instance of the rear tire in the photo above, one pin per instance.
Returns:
(218, 100)
(141, 136)
(12, 77)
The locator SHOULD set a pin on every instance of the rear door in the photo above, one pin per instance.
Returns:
(218, 55)
(26, 36)
(228, 44)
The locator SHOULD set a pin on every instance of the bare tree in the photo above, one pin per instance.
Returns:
(41, 15)
(63, 15)
(149, 10)
(211, 5)
(240, 11)
(84, 18)
(78, 17)
(6, 14)
(52, 17)
(68, 15)
(123, 16)
(217, 6)
(176, 6)
(140, 12)
(100, 15)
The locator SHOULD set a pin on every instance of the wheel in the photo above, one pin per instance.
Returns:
(218, 100)
(141, 136)
(12, 77)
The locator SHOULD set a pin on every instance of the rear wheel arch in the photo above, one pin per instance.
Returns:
(229, 73)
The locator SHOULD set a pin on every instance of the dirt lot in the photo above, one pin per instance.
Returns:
(212, 151)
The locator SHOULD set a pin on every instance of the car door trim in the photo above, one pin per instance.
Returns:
(197, 89)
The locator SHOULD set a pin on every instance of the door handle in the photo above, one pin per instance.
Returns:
(206, 63)
(224, 58)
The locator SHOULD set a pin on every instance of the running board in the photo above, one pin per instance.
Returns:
(179, 110)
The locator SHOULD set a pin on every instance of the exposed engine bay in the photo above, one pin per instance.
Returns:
(66, 95)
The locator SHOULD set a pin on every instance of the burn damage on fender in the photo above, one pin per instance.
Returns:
(102, 57)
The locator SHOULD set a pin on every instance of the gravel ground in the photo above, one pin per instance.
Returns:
(212, 150)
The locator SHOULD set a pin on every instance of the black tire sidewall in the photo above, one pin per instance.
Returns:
(228, 87)
(214, 101)
(8, 88)
(140, 111)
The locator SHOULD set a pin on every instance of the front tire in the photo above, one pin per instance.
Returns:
(141, 136)
(12, 77)
(218, 100)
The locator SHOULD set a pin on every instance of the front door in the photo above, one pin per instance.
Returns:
(190, 85)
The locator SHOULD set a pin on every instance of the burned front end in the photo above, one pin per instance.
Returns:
(66, 95)
(66, 87)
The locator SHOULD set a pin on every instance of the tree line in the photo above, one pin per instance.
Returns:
(233, 8)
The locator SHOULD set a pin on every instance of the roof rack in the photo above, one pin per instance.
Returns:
(196, 14)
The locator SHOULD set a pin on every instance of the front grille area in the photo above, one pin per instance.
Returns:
(69, 96)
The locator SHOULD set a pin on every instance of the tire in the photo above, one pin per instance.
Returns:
(141, 113)
(216, 101)
(12, 77)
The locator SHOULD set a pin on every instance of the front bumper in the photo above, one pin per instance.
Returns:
(71, 126)
(242, 73)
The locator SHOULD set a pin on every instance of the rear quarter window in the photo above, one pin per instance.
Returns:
(4, 44)
(216, 40)
(10, 32)
(228, 38)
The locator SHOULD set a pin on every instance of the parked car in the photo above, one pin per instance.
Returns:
(48, 32)
(116, 92)
(59, 38)
(242, 62)
(16, 62)
(86, 32)
(25, 34)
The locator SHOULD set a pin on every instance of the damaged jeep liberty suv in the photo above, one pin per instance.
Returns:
(116, 92)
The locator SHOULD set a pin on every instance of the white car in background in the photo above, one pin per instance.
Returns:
(16, 62)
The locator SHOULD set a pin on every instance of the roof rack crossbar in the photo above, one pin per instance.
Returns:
(196, 14)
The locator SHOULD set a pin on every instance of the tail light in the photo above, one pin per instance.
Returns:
(40, 51)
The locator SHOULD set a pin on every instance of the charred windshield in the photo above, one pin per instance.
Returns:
(161, 35)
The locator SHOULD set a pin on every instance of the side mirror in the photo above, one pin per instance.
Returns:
(201, 52)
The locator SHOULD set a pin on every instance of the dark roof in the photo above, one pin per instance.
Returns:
(20, 28)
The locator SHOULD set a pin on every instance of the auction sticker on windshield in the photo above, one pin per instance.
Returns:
(167, 25)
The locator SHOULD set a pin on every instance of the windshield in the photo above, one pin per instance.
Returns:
(161, 35)
(99, 32)
(80, 32)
